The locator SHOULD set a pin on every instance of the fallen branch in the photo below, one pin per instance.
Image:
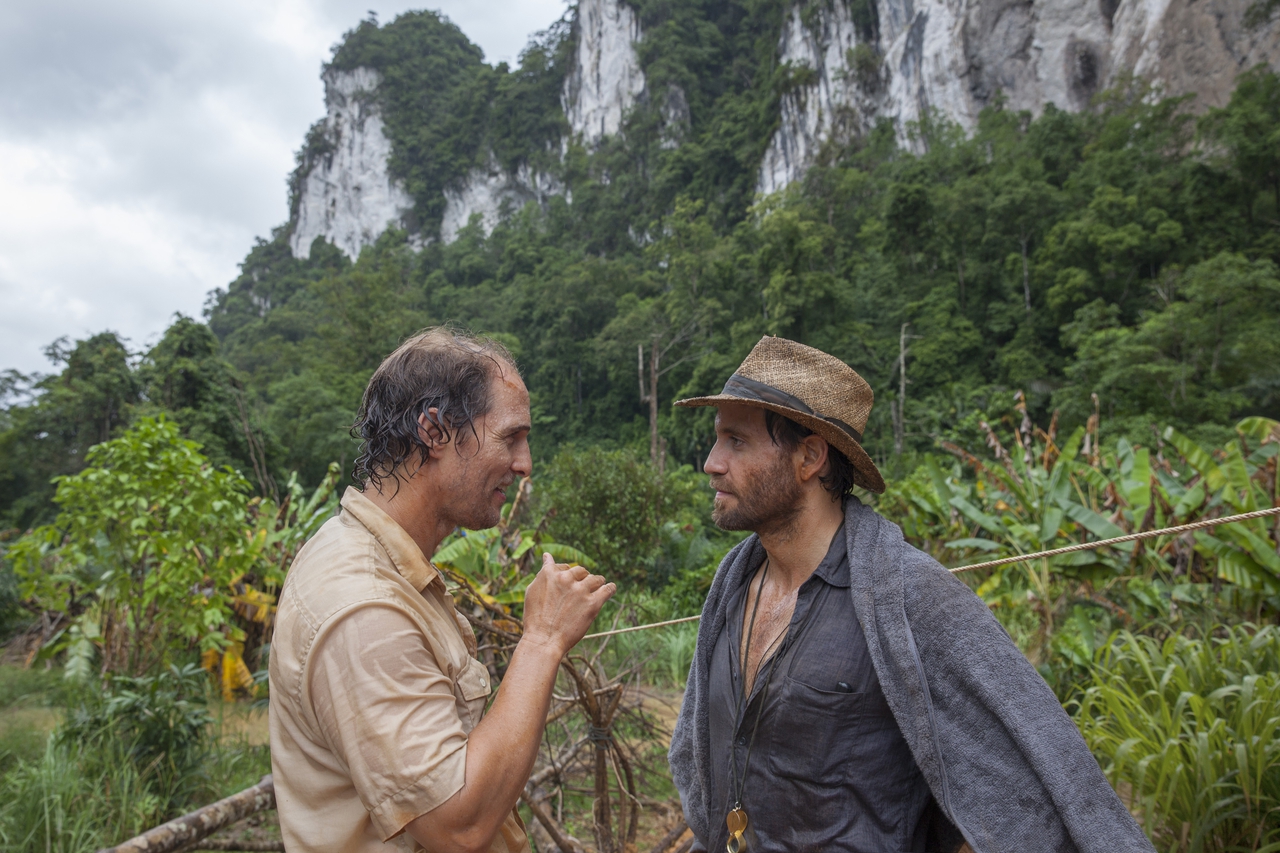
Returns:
(201, 823)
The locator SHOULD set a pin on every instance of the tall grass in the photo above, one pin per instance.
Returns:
(74, 799)
(1188, 730)
(124, 759)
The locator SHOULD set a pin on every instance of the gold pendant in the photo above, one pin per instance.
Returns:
(736, 821)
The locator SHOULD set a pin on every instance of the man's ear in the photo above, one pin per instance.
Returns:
(430, 433)
(814, 455)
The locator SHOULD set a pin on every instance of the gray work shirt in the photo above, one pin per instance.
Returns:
(829, 769)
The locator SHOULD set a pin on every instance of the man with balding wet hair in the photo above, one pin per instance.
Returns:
(379, 736)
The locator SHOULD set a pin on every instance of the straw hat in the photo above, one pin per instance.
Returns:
(813, 389)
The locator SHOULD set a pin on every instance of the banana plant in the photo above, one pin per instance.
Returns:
(1230, 482)
(274, 534)
(1032, 492)
(497, 564)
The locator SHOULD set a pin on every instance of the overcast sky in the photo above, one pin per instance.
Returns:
(144, 144)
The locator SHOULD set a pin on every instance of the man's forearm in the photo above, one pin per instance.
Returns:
(501, 752)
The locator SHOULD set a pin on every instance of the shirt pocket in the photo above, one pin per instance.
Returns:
(473, 681)
(813, 734)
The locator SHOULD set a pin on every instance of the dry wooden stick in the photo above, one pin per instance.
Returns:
(201, 823)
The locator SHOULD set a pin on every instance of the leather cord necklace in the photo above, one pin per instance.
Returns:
(736, 820)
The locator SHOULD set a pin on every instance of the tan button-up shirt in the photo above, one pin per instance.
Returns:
(374, 689)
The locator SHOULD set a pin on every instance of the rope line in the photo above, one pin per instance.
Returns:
(642, 627)
(1081, 546)
(1131, 537)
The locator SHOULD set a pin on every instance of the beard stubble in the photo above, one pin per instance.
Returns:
(767, 503)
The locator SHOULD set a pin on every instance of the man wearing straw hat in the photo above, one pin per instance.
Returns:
(847, 692)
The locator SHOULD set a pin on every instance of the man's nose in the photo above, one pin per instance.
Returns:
(522, 464)
(715, 463)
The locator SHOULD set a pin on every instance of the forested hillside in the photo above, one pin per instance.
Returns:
(1128, 251)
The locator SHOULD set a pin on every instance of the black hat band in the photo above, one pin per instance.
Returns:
(750, 389)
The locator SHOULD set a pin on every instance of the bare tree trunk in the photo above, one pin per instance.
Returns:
(897, 408)
(1026, 276)
(655, 450)
(201, 823)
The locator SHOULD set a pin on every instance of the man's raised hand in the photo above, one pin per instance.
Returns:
(561, 603)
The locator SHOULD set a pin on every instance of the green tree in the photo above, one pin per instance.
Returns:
(184, 376)
(612, 505)
(140, 557)
(49, 433)
(1208, 353)
(1249, 127)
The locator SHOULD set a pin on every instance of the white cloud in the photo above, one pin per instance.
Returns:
(144, 144)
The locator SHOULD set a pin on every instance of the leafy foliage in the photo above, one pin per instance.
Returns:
(1045, 494)
(159, 721)
(447, 111)
(1192, 728)
(155, 551)
(615, 506)
(129, 755)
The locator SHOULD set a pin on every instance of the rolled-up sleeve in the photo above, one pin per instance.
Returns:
(387, 709)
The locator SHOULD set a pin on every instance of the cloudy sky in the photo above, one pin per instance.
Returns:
(144, 144)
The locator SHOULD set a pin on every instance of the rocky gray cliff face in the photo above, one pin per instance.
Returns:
(493, 192)
(606, 80)
(347, 195)
(952, 57)
(601, 88)
(866, 60)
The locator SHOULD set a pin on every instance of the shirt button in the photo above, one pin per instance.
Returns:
(742, 740)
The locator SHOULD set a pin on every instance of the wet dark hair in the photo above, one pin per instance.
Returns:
(788, 434)
(441, 368)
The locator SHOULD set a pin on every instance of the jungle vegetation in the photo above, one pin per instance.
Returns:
(1069, 321)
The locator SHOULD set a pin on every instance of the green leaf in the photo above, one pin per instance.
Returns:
(1095, 523)
(987, 522)
(973, 542)
(1198, 458)
(567, 554)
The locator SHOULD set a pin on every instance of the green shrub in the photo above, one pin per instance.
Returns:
(616, 506)
(159, 724)
(13, 616)
(1187, 729)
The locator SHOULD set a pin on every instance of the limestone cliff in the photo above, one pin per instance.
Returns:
(601, 87)
(852, 63)
(606, 79)
(346, 193)
(493, 192)
(897, 59)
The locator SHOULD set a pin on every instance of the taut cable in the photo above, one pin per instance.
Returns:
(643, 627)
(1131, 537)
(1022, 558)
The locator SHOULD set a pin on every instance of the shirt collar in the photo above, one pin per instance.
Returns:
(405, 554)
(834, 568)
